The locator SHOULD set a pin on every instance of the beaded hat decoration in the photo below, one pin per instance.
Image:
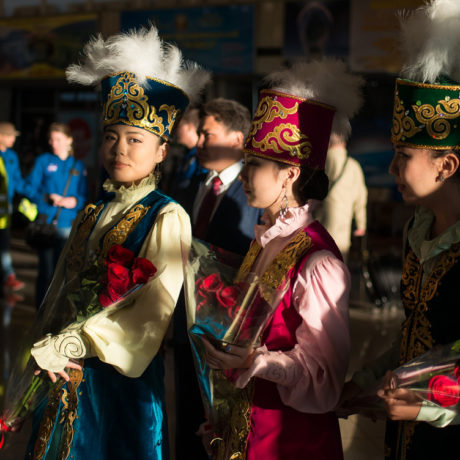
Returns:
(426, 112)
(294, 118)
(144, 81)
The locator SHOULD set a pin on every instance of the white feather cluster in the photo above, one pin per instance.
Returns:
(143, 53)
(430, 41)
(326, 81)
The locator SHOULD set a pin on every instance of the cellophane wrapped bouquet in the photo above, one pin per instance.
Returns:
(225, 310)
(111, 283)
(433, 377)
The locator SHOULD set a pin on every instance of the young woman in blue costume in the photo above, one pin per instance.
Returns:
(426, 168)
(109, 400)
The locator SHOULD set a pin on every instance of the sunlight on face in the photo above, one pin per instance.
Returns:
(217, 147)
(129, 154)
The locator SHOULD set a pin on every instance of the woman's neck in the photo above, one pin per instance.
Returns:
(446, 213)
(62, 155)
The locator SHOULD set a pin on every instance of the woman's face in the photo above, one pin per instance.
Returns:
(416, 174)
(129, 154)
(60, 143)
(263, 183)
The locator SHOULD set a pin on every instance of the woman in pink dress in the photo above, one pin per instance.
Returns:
(293, 380)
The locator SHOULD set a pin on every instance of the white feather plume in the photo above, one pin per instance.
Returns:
(326, 81)
(430, 41)
(143, 53)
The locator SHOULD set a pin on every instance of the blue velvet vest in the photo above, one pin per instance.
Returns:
(103, 414)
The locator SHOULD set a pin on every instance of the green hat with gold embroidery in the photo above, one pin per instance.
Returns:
(426, 112)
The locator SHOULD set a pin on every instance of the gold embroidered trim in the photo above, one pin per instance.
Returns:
(403, 125)
(232, 445)
(129, 98)
(416, 329)
(119, 233)
(69, 398)
(283, 262)
(436, 118)
(76, 255)
(267, 110)
(285, 137)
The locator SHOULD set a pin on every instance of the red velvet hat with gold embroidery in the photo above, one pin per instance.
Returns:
(294, 118)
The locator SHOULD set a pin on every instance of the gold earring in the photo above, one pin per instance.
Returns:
(284, 204)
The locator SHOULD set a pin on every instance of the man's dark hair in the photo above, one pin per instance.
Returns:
(233, 115)
(191, 115)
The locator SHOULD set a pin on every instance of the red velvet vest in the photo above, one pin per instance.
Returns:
(277, 431)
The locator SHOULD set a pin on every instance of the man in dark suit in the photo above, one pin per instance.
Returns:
(224, 124)
(221, 216)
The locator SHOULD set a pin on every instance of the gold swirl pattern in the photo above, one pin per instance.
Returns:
(75, 260)
(281, 264)
(416, 329)
(119, 233)
(437, 119)
(76, 254)
(267, 110)
(127, 100)
(403, 125)
(232, 444)
(70, 345)
(69, 397)
(285, 137)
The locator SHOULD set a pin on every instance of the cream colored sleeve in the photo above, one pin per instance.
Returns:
(128, 338)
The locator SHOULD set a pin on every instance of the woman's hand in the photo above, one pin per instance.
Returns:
(400, 404)
(234, 357)
(52, 375)
(68, 202)
(205, 433)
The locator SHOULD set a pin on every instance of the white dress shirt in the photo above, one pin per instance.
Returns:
(227, 176)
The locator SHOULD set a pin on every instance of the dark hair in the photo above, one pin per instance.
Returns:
(232, 114)
(312, 184)
(438, 153)
(191, 115)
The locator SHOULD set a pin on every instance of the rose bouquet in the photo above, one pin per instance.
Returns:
(225, 312)
(433, 377)
(105, 284)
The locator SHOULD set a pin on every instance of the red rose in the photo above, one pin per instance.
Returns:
(457, 372)
(142, 270)
(117, 284)
(443, 391)
(119, 255)
(211, 283)
(228, 296)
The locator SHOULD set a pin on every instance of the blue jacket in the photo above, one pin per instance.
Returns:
(50, 175)
(16, 184)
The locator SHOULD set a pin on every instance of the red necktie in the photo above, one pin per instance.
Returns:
(206, 208)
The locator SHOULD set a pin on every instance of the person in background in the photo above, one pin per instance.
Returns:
(11, 183)
(220, 216)
(346, 201)
(187, 136)
(48, 179)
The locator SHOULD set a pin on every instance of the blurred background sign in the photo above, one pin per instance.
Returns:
(218, 38)
(42, 47)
